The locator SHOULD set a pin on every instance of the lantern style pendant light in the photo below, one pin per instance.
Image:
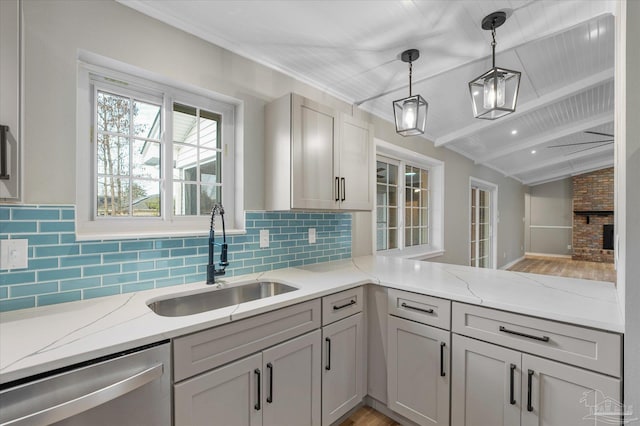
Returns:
(410, 113)
(494, 93)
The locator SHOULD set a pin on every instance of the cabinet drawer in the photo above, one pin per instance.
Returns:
(211, 348)
(341, 305)
(587, 348)
(418, 307)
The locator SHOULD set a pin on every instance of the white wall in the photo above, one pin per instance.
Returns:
(627, 192)
(56, 30)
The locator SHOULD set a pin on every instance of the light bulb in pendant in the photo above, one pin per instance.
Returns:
(494, 92)
(409, 109)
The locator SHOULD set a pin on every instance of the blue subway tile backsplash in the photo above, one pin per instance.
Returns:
(63, 270)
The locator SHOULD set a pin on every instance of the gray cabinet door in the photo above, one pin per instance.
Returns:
(291, 386)
(342, 367)
(485, 390)
(565, 395)
(355, 158)
(226, 396)
(313, 180)
(418, 371)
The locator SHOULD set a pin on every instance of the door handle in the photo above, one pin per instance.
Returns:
(3, 152)
(344, 189)
(328, 366)
(442, 372)
(512, 399)
(259, 385)
(529, 380)
(270, 397)
(337, 188)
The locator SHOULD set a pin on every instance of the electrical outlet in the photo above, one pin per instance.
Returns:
(264, 238)
(14, 254)
(312, 235)
(568, 246)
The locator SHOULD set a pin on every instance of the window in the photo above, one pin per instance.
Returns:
(163, 156)
(408, 203)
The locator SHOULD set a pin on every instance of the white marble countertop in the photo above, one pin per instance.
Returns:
(41, 339)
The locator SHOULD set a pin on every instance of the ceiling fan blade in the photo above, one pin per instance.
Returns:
(599, 133)
(580, 143)
(587, 149)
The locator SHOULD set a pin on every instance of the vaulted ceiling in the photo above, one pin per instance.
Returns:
(351, 49)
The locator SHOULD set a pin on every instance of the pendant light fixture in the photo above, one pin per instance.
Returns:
(494, 93)
(410, 113)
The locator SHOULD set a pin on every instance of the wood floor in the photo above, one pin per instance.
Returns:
(564, 267)
(367, 416)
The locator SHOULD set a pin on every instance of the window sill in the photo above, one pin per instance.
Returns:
(423, 254)
(93, 236)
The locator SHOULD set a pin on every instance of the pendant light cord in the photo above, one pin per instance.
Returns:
(493, 46)
(410, 73)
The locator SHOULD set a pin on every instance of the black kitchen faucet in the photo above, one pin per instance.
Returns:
(212, 272)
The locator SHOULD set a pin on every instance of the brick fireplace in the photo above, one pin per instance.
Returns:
(593, 216)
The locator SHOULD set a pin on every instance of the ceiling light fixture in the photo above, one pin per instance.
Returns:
(410, 113)
(533, 151)
(514, 132)
(494, 93)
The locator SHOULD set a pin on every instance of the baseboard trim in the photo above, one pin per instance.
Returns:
(560, 256)
(510, 264)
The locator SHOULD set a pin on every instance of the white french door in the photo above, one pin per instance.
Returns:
(482, 241)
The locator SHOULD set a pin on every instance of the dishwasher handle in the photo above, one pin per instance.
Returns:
(91, 400)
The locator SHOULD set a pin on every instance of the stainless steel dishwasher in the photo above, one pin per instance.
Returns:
(128, 388)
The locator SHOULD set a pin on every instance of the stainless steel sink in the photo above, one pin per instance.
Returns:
(215, 299)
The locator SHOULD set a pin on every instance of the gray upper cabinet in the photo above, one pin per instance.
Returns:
(316, 158)
(10, 84)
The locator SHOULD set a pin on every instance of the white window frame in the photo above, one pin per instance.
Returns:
(436, 203)
(110, 75)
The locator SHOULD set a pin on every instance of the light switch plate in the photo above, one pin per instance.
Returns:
(312, 235)
(14, 254)
(264, 238)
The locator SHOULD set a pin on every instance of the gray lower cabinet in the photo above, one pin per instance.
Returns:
(485, 388)
(342, 367)
(418, 371)
(492, 385)
(279, 386)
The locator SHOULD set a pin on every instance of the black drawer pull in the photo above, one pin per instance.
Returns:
(337, 188)
(529, 380)
(259, 385)
(346, 305)
(270, 397)
(512, 398)
(328, 366)
(344, 190)
(530, 336)
(415, 308)
(3, 152)
(442, 372)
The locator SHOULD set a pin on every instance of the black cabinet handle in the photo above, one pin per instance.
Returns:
(415, 308)
(337, 188)
(270, 397)
(344, 189)
(512, 398)
(328, 366)
(442, 345)
(529, 380)
(259, 385)
(529, 336)
(3, 152)
(346, 305)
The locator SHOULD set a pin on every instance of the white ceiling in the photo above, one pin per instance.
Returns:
(351, 48)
